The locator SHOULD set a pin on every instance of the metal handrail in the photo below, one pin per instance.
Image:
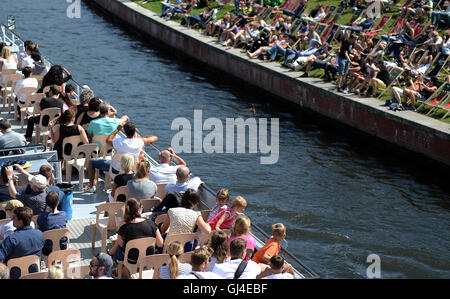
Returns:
(148, 157)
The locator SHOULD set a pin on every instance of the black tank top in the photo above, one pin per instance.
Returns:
(85, 119)
(65, 131)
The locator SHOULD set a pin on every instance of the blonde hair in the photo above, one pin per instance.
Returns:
(127, 162)
(142, 169)
(241, 226)
(278, 229)
(238, 202)
(174, 249)
(6, 52)
(55, 272)
(201, 255)
(223, 194)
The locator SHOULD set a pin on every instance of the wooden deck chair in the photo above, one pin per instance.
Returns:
(142, 245)
(337, 16)
(398, 25)
(185, 257)
(395, 73)
(47, 115)
(149, 204)
(67, 257)
(320, 28)
(267, 14)
(26, 264)
(26, 91)
(69, 148)
(36, 275)
(152, 263)
(440, 94)
(83, 154)
(122, 190)
(326, 34)
(445, 106)
(55, 235)
(182, 238)
(354, 17)
(161, 190)
(384, 20)
(331, 10)
(115, 212)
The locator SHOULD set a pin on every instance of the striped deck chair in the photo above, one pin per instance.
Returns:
(436, 98)
(419, 28)
(398, 25)
(383, 22)
(296, 26)
(394, 73)
(266, 14)
(328, 31)
(320, 28)
(329, 13)
(355, 16)
(338, 14)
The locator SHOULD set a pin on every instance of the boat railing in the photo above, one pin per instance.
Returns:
(17, 42)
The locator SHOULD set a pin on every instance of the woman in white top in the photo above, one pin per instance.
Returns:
(184, 219)
(25, 82)
(7, 61)
(175, 268)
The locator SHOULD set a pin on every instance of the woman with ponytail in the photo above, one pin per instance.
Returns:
(175, 268)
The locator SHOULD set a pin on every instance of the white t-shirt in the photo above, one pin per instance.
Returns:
(124, 145)
(27, 61)
(227, 269)
(281, 276)
(213, 262)
(164, 174)
(205, 275)
(193, 183)
(26, 82)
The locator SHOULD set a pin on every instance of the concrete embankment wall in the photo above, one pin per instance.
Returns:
(409, 130)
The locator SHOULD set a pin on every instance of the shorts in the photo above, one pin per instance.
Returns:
(380, 84)
(101, 164)
(343, 65)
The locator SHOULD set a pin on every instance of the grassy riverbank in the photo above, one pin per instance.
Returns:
(155, 6)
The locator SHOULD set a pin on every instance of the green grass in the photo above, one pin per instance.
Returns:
(155, 6)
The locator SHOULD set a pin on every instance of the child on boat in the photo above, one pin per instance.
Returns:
(225, 218)
(222, 198)
(272, 246)
(241, 229)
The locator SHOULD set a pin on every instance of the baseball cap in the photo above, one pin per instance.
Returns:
(106, 261)
(12, 204)
(38, 180)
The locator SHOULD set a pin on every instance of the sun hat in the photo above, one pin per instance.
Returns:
(38, 180)
(12, 204)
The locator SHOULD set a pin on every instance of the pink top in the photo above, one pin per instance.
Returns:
(226, 224)
(217, 209)
(251, 242)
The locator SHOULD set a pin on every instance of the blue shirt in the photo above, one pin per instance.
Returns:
(24, 241)
(48, 220)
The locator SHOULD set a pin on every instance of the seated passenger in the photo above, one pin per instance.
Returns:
(92, 113)
(174, 268)
(24, 241)
(10, 139)
(140, 187)
(27, 81)
(67, 128)
(164, 172)
(131, 144)
(199, 262)
(8, 228)
(184, 182)
(126, 174)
